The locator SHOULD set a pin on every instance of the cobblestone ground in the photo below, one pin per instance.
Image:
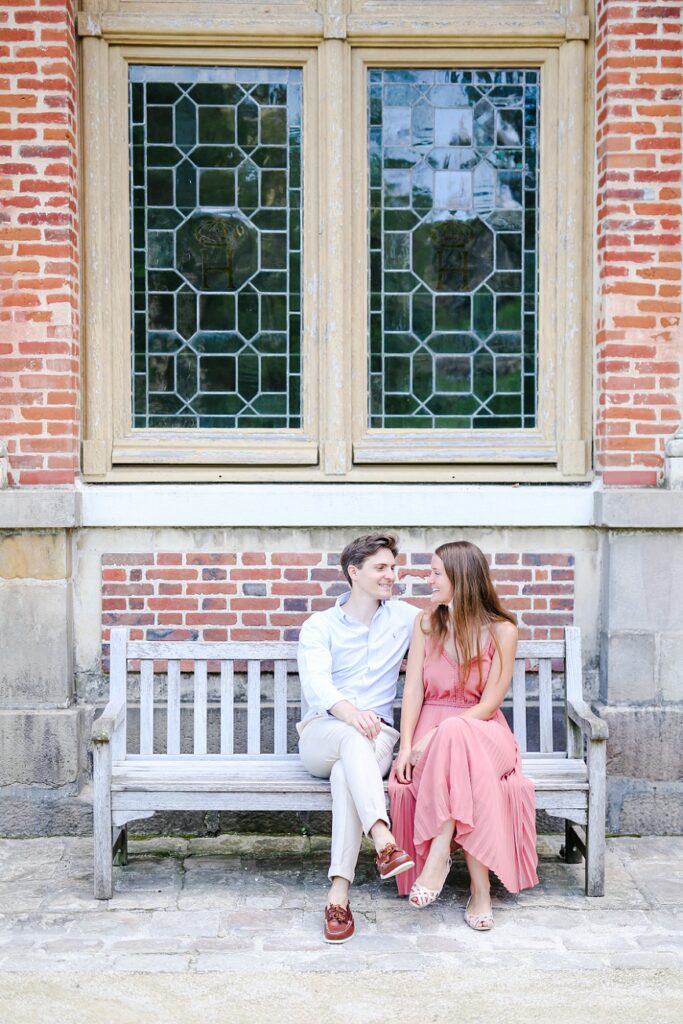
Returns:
(239, 906)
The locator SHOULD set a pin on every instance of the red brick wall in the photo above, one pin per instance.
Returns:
(257, 596)
(39, 345)
(639, 166)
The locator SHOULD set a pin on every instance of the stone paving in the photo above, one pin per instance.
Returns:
(237, 903)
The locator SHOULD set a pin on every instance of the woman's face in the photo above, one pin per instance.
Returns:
(442, 591)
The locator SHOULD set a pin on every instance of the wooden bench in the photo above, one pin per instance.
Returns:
(570, 782)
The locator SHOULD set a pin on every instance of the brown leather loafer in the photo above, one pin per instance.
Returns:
(339, 926)
(392, 861)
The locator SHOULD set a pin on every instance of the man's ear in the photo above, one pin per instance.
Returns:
(352, 571)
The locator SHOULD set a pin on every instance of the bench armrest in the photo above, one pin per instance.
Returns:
(104, 727)
(581, 713)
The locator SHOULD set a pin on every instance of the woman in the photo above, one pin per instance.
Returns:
(457, 779)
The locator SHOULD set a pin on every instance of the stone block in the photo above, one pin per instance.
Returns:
(35, 508)
(639, 508)
(638, 807)
(36, 811)
(37, 556)
(630, 667)
(35, 644)
(644, 742)
(671, 667)
(42, 748)
(644, 592)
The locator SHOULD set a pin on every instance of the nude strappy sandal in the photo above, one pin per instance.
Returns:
(421, 897)
(478, 922)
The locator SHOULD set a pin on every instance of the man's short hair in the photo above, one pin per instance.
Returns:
(362, 548)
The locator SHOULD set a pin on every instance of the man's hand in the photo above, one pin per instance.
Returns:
(367, 723)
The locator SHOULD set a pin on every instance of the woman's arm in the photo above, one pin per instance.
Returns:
(413, 696)
(500, 676)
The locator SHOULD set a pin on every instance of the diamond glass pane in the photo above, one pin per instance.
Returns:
(453, 225)
(215, 180)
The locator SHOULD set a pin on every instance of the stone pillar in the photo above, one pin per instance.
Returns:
(43, 760)
(641, 681)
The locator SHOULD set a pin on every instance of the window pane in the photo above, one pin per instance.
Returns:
(453, 199)
(215, 179)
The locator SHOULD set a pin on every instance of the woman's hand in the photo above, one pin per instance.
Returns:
(420, 747)
(402, 767)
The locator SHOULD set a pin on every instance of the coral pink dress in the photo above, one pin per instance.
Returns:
(470, 772)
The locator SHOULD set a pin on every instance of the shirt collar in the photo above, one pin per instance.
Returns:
(341, 601)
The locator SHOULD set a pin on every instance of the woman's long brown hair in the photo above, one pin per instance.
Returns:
(475, 602)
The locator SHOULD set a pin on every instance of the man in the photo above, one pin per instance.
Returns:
(349, 660)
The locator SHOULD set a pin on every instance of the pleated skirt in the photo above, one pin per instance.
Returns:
(470, 772)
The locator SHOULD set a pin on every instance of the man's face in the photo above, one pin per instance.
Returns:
(375, 577)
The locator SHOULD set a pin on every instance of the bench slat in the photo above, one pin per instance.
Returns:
(280, 708)
(253, 707)
(272, 650)
(194, 650)
(147, 707)
(289, 775)
(227, 706)
(200, 680)
(519, 704)
(173, 708)
(545, 705)
(118, 685)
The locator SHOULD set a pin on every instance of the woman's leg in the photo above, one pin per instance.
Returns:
(480, 887)
(435, 870)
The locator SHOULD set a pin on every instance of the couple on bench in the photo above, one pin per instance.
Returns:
(457, 779)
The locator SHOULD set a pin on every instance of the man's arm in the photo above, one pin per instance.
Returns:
(314, 658)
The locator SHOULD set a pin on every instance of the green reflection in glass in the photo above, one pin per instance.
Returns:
(215, 157)
(453, 197)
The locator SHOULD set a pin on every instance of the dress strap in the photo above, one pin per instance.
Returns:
(492, 644)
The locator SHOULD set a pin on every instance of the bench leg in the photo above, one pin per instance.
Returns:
(572, 851)
(102, 826)
(595, 838)
(120, 848)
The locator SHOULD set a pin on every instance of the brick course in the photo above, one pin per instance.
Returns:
(39, 288)
(168, 598)
(638, 136)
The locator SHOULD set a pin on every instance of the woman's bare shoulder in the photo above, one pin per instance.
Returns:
(505, 631)
(422, 627)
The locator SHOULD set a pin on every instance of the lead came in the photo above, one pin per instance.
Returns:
(215, 180)
(453, 187)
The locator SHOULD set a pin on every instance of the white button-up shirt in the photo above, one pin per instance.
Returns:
(341, 659)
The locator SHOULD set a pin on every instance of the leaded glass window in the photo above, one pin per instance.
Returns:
(453, 223)
(215, 179)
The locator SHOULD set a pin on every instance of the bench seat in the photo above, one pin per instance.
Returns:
(285, 774)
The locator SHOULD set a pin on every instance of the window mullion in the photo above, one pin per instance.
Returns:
(334, 355)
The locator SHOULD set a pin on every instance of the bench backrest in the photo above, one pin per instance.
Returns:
(173, 656)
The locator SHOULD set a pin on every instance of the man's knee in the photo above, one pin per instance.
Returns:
(355, 743)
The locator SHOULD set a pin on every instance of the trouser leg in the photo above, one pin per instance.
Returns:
(355, 766)
(347, 828)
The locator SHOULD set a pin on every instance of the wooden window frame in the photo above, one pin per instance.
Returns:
(333, 50)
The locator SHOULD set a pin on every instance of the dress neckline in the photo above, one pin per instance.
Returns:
(458, 664)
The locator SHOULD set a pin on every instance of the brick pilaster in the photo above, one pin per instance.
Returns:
(638, 370)
(39, 317)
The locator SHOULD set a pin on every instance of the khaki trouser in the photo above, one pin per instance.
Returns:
(355, 766)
